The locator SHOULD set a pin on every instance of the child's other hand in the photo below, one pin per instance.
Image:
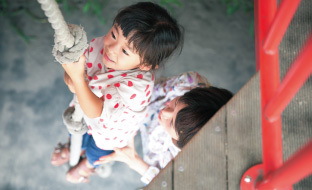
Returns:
(69, 83)
(75, 70)
(126, 154)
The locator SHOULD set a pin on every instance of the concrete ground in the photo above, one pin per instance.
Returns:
(34, 96)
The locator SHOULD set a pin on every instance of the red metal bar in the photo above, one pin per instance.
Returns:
(299, 72)
(293, 170)
(269, 81)
(284, 14)
(275, 174)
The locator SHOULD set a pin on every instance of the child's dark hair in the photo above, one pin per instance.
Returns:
(202, 104)
(154, 33)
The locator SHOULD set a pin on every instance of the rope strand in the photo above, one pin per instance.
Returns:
(55, 17)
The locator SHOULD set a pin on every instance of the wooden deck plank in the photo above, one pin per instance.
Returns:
(244, 144)
(202, 162)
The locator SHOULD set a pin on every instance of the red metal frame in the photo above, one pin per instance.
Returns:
(269, 81)
(270, 27)
(285, 13)
(293, 170)
(299, 72)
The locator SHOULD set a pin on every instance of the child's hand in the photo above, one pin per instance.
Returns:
(69, 83)
(126, 154)
(75, 70)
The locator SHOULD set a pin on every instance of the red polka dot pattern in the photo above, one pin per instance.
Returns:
(133, 96)
(146, 88)
(89, 65)
(148, 93)
(100, 65)
(140, 76)
(108, 96)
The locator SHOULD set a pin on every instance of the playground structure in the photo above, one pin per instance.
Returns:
(251, 145)
(232, 150)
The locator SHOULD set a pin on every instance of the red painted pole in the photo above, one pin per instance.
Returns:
(284, 14)
(299, 72)
(272, 152)
(293, 170)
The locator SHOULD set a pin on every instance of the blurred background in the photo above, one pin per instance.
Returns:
(219, 44)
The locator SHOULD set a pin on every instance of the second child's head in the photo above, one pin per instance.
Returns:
(143, 36)
(185, 115)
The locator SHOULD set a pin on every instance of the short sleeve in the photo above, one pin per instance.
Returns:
(129, 92)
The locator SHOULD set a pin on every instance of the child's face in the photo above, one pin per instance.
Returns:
(167, 116)
(117, 53)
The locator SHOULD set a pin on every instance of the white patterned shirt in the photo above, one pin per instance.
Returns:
(126, 94)
(158, 148)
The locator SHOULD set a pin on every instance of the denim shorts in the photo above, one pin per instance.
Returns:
(93, 153)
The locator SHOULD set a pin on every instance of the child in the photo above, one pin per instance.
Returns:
(118, 68)
(180, 106)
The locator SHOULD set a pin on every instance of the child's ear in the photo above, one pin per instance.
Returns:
(143, 67)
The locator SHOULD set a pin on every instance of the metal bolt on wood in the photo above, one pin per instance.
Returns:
(164, 184)
(233, 113)
(181, 168)
(218, 129)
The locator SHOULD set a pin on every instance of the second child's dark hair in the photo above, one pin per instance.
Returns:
(154, 33)
(202, 104)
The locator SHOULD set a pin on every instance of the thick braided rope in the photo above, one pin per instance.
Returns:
(70, 41)
(55, 17)
(73, 119)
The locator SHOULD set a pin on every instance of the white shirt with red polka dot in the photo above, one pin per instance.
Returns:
(126, 95)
